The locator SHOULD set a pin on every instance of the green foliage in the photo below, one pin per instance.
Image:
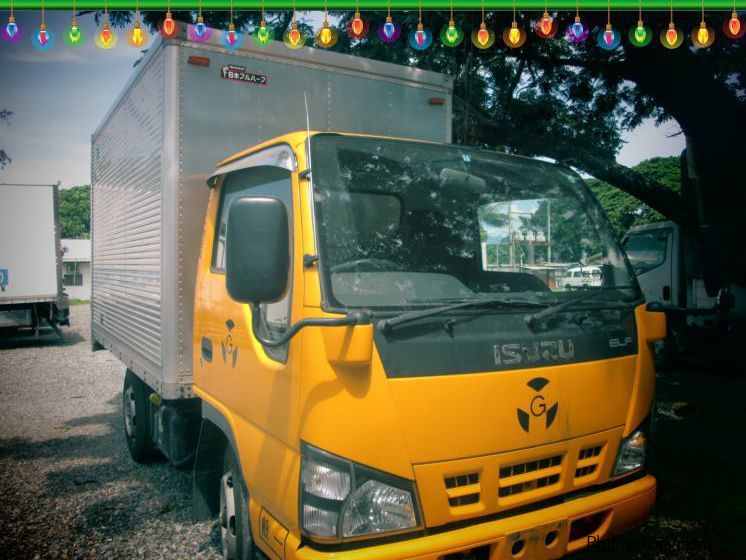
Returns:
(75, 212)
(625, 211)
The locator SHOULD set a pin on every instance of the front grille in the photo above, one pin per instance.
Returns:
(588, 461)
(463, 489)
(531, 485)
(530, 475)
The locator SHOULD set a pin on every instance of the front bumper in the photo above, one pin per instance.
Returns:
(588, 518)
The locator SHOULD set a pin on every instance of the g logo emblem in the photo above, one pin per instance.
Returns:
(537, 406)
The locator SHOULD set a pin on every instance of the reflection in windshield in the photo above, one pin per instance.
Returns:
(404, 224)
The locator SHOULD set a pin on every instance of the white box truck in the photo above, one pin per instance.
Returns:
(669, 268)
(187, 106)
(31, 293)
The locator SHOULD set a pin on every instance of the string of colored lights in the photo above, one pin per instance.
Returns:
(419, 38)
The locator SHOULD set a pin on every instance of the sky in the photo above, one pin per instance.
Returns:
(59, 97)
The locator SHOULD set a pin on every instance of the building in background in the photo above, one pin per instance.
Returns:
(76, 261)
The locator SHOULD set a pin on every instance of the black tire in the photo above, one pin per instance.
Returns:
(235, 532)
(135, 415)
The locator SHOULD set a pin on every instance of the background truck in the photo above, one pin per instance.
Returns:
(31, 292)
(188, 106)
(670, 270)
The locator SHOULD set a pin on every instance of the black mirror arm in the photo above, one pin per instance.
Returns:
(352, 318)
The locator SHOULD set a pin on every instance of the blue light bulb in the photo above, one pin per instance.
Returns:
(577, 28)
(388, 29)
(200, 28)
(11, 29)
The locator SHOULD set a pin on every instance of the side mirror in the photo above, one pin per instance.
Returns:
(257, 256)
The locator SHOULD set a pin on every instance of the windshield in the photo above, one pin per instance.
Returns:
(407, 224)
(646, 249)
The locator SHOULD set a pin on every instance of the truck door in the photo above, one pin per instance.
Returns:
(252, 384)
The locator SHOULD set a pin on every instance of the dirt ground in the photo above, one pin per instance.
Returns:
(70, 490)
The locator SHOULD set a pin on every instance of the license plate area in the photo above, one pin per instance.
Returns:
(544, 542)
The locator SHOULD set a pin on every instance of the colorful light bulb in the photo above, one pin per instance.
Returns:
(672, 36)
(42, 35)
(578, 27)
(640, 32)
(105, 34)
(169, 25)
(546, 23)
(609, 35)
(294, 35)
(420, 36)
(734, 24)
(262, 34)
(231, 38)
(388, 28)
(12, 27)
(357, 25)
(136, 37)
(483, 36)
(200, 29)
(703, 35)
(73, 34)
(514, 35)
(325, 36)
(452, 32)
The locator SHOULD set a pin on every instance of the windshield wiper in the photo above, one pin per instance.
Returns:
(533, 319)
(387, 324)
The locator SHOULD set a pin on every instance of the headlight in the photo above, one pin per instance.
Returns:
(341, 500)
(631, 456)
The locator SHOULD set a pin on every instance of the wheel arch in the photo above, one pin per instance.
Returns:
(215, 436)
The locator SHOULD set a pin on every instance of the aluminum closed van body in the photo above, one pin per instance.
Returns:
(188, 106)
(31, 289)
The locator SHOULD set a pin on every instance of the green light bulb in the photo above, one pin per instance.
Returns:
(640, 32)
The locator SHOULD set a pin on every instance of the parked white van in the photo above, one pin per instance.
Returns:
(581, 277)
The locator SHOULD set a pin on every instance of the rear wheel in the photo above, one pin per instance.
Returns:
(235, 532)
(136, 423)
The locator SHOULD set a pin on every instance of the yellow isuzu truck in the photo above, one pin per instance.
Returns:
(359, 382)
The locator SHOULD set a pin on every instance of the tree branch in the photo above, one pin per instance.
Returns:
(652, 193)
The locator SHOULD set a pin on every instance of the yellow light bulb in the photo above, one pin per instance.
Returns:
(326, 34)
(514, 35)
(703, 35)
(137, 34)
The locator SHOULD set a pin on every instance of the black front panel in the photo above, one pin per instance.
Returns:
(474, 342)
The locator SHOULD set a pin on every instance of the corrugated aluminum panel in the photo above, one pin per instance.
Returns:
(126, 220)
(160, 142)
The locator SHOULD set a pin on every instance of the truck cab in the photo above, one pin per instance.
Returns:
(370, 390)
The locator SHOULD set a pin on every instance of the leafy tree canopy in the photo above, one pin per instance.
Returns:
(75, 212)
(625, 211)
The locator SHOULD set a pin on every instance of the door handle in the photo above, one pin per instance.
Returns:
(206, 349)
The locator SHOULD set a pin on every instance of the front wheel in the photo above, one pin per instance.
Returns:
(235, 532)
(136, 423)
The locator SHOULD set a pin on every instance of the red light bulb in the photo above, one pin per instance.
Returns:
(357, 24)
(671, 35)
(546, 24)
(169, 24)
(734, 24)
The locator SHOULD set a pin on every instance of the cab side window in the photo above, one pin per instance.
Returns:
(257, 181)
